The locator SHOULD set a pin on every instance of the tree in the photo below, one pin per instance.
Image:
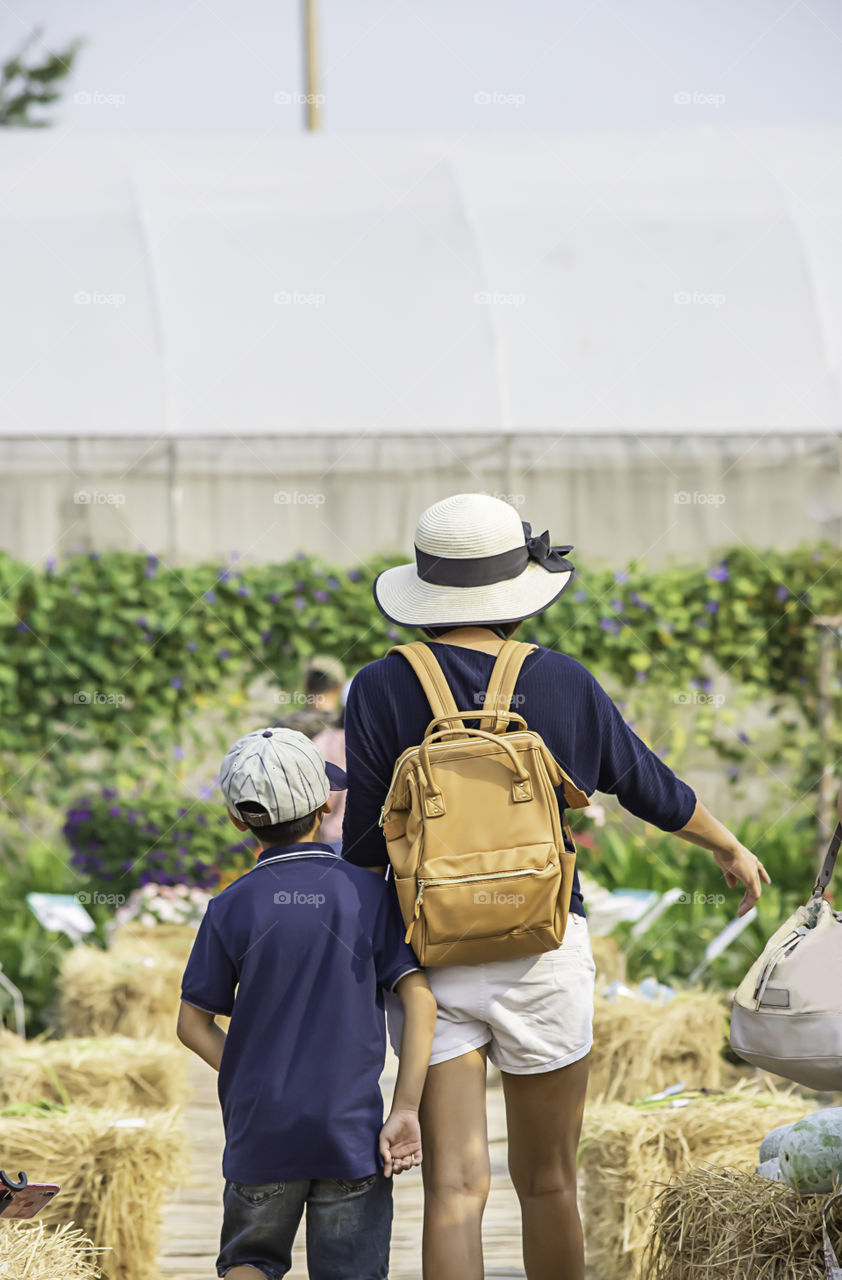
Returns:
(24, 88)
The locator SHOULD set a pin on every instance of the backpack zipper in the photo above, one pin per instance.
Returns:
(781, 952)
(485, 875)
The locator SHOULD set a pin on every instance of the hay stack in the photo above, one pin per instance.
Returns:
(29, 1250)
(726, 1225)
(626, 1149)
(126, 990)
(113, 1071)
(113, 1178)
(174, 939)
(610, 961)
(641, 1047)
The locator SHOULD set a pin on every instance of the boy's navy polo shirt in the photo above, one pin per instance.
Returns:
(298, 952)
(387, 711)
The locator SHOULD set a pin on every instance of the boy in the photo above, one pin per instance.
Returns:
(309, 942)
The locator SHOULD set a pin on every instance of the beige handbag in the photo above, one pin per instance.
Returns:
(787, 1011)
(473, 827)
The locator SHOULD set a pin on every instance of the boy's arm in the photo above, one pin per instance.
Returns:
(400, 1137)
(198, 1031)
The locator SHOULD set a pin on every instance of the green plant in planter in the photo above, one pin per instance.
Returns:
(122, 842)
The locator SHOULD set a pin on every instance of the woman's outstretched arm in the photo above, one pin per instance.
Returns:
(738, 863)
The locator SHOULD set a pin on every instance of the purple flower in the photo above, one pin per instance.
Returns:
(94, 844)
(141, 622)
(115, 811)
(22, 626)
(621, 577)
(743, 737)
(299, 602)
(732, 771)
(393, 633)
(93, 555)
(579, 595)
(707, 684)
(243, 590)
(354, 575)
(720, 573)
(224, 575)
(781, 593)
(182, 849)
(333, 582)
(640, 676)
(223, 654)
(176, 683)
(804, 597)
(300, 555)
(181, 813)
(817, 555)
(617, 605)
(128, 864)
(178, 752)
(202, 820)
(712, 606)
(609, 624)
(210, 596)
(274, 597)
(109, 793)
(266, 636)
(50, 564)
(191, 646)
(321, 596)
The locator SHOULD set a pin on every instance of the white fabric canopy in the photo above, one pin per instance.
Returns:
(622, 284)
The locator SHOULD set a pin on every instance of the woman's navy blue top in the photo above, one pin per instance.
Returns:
(387, 711)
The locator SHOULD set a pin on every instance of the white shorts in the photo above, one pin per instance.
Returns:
(535, 1014)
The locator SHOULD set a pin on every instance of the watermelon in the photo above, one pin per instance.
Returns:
(811, 1153)
(770, 1147)
(770, 1169)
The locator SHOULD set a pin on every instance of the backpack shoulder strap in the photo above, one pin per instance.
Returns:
(501, 685)
(426, 666)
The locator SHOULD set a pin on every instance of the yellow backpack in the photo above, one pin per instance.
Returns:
(473, 827)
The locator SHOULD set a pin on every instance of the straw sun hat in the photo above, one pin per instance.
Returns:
(476, 562)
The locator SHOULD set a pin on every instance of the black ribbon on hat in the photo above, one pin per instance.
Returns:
(482, 571)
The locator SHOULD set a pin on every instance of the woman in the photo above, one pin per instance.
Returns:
(477, 575)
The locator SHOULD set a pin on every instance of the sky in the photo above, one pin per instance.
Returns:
(444, 66)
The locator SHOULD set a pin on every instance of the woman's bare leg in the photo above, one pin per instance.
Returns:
(456, 1168)
(544, 1119)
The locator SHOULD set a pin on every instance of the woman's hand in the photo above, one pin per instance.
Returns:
(741, 866)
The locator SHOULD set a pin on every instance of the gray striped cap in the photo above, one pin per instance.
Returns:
(280, 769)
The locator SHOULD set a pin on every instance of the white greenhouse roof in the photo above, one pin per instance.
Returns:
(674, 282)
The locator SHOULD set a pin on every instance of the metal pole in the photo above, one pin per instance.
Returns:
(828, 785)
(313, 97)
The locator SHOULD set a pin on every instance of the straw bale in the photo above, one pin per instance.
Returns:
(109, 1071)
(114, 1171)
(32, 1251)
(726, 1224)
(175, 939)
(641, 1047)
(625, 1150)
(123, 991)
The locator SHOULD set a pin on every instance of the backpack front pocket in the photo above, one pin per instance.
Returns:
(486, 905)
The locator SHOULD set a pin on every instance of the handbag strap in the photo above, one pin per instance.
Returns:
(502, 681)
(426, 666)
(831, 1263)
(823, 878)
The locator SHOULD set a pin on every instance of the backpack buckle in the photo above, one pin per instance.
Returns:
(434, 805)
(521, 789)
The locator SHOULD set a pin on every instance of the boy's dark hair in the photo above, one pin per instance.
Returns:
(316, 681)
(506, 628)
(277, 832)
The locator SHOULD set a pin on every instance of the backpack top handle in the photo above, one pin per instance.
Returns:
(823, 878)
(501, 685)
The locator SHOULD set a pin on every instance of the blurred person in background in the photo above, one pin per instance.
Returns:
(331, 743)
(324, 678)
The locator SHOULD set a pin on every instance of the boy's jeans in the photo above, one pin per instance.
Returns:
(349, 1227)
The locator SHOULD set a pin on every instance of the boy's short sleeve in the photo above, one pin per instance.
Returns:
(210, 979)
(393, 958)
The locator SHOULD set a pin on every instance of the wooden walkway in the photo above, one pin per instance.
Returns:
(190, 1236)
